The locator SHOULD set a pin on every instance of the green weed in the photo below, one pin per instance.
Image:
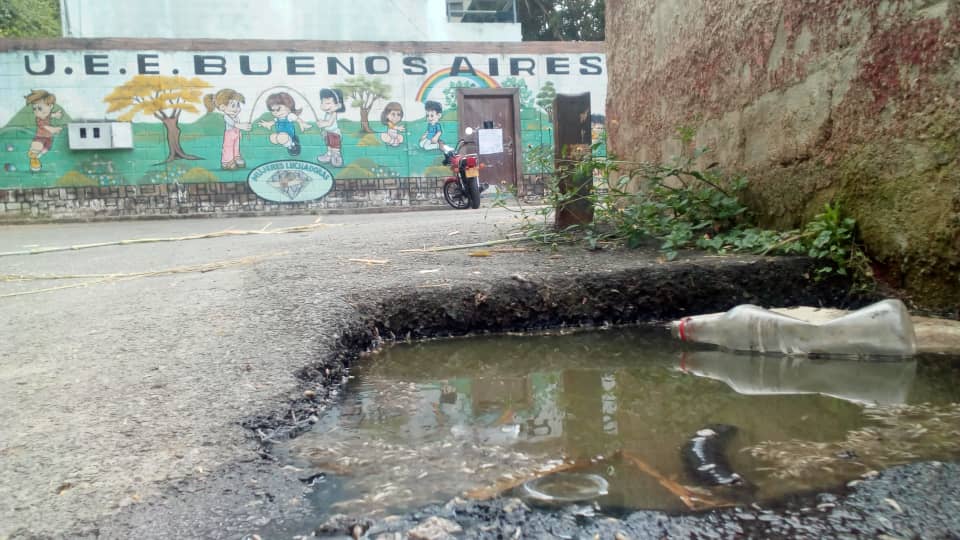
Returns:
(681, 206)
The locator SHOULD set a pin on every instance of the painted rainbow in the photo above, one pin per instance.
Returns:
(482, 79)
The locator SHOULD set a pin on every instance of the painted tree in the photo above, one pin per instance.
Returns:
(163, 97)
(526, 96)
(450, 93)
(545, 98)
(364, 92)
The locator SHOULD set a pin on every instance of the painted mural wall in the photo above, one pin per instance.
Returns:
(223, 115)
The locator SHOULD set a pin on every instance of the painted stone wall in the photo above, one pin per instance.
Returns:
(336, 115)
(850, 100)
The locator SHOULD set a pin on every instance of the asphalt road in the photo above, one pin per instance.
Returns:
(124, 385)
(115, 388)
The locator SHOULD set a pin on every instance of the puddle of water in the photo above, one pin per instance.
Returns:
(425, 422)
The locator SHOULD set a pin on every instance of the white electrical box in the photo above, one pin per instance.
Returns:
(100, 135)
(121, 135)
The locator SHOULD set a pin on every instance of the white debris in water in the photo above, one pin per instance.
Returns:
(902, 433)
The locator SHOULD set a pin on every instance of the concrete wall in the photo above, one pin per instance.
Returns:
(161, 87)
(849, 100)
(365, 20)
(221, 199)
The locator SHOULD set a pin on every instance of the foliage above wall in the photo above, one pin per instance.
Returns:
(562, 20)
(29, 18)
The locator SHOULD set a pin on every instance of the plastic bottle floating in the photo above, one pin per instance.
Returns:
(881, 329)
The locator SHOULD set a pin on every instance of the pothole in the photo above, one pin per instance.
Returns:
(450, 441)
(648, 420)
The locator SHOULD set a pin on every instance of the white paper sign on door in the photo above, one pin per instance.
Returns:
(490, 141)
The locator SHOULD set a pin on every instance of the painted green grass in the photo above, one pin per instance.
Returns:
(365, 155)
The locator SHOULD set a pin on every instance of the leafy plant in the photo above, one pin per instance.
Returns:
(682, 206)
(561, 20)
(831, 237)
(29, 18)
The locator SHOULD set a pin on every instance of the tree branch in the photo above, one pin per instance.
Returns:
(786, 241)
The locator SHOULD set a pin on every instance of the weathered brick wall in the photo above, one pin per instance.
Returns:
(856, 101)
(165, 200)
(214, 198)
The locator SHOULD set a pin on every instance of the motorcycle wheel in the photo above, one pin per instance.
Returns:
(473, 192)
(455, 196)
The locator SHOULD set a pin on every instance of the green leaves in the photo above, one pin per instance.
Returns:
(681, 206)
(29, 18)
(561, 20)
(834, 243)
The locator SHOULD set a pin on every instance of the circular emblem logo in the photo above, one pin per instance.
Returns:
(289, 180)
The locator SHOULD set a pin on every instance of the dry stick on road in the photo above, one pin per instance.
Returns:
(103, 278)
(369, 262)
(464, 246)
(51, 289)
(689, 498)
(229, 232)
(502, 486)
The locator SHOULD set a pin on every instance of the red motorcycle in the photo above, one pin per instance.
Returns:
(462, 190)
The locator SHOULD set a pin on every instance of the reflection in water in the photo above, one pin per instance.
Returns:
(425, 422)
(868, 382)
(895, 435)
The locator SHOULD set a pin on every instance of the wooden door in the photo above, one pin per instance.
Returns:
(493, 108)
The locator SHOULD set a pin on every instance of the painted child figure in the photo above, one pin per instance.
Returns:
(42, 103)
(331, 103)
(228, 102)
(430, 140)
(391, 117)
(285, 115)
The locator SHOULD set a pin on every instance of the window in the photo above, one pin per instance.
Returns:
(482, 11)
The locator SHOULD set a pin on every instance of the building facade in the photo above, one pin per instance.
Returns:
(328, 20)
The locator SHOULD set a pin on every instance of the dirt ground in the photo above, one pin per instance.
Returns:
(131, 404)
